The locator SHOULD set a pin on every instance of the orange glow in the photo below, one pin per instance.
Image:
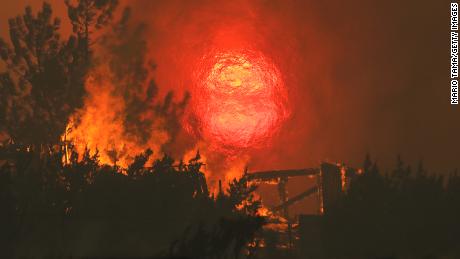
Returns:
(226, 173)
(320, 192)
(343, 177)
(264, 212)
(239, 100)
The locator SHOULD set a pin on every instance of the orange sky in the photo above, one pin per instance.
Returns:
(365, 76)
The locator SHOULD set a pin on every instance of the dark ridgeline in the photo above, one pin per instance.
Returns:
(84, 209)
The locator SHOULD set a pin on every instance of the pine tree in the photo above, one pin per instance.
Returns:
(88, 16)
(44, 79)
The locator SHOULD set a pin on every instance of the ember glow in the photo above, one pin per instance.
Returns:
(239, 100)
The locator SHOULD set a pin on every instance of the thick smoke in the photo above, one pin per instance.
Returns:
(379, 68)
(360, 77)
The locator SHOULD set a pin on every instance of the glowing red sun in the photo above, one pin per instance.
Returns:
(239, 100)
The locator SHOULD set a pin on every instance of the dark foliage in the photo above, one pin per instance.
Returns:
(88, 16)
(401, 214)
(51, 209)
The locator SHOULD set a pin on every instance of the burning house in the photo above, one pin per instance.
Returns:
(332, 180)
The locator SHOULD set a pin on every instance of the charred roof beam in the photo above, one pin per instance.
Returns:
(276, 174)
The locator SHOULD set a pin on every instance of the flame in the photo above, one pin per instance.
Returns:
(192, 153)
(99, 125)
(343, 177)
(264, 212)
(217, 168)
(320, 192)
(242, 102)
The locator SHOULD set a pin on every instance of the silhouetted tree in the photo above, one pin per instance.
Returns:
(235, 223)
(81, 208)
(88, 16)
(44, 81)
